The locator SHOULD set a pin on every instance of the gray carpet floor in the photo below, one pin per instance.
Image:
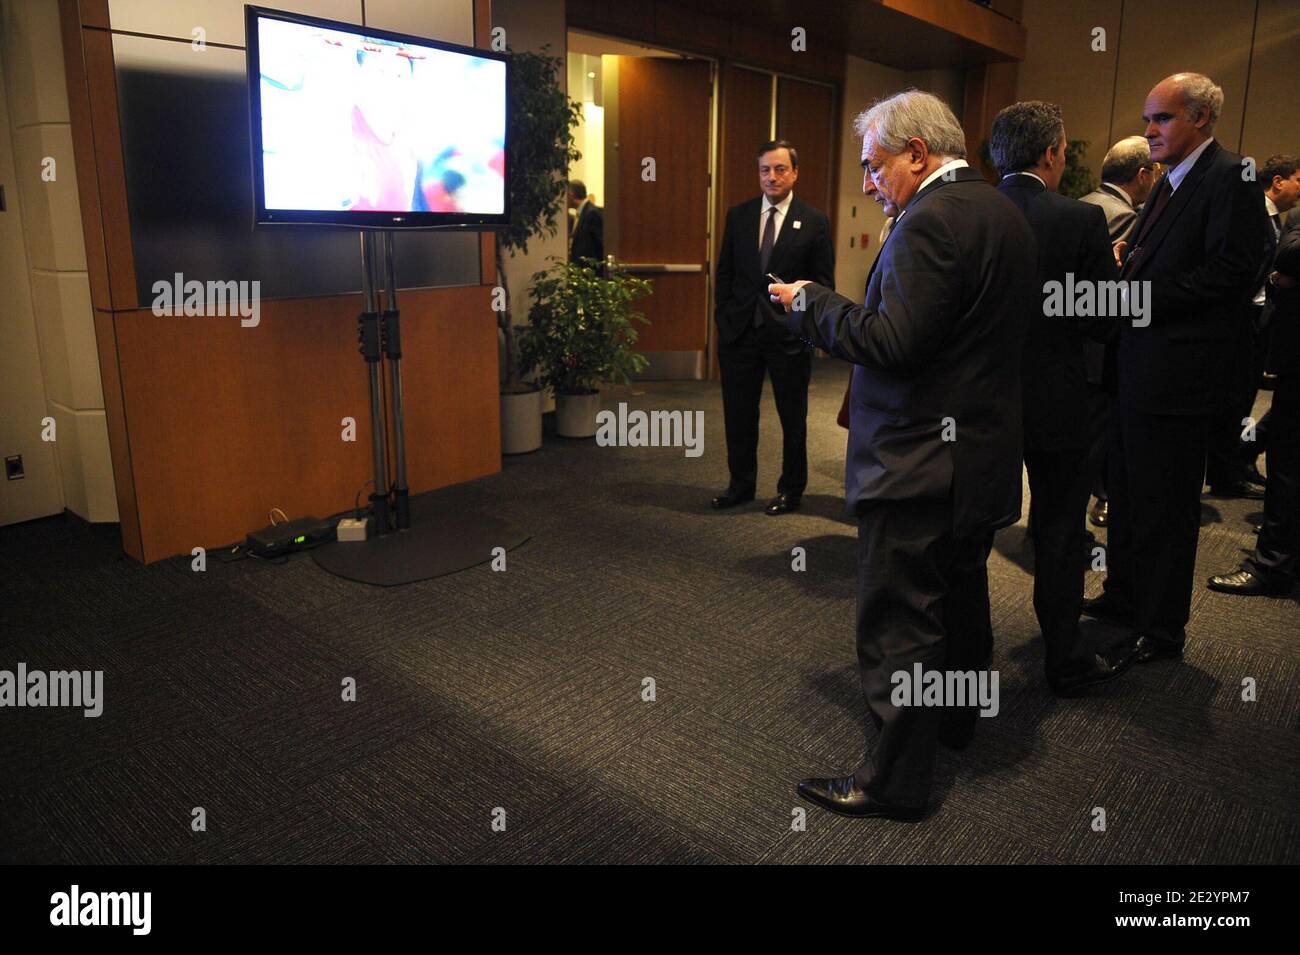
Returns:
(519, 695)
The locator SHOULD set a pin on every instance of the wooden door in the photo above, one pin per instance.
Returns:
(662, 170)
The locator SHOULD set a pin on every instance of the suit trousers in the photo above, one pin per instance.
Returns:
(1098, 439)
(1058, 487)
(923, 597)
(1277, 550)
(759, 351)
(1156, 469)
(1226, 463)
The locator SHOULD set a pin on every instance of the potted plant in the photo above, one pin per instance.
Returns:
(580, 333)
(539, 152)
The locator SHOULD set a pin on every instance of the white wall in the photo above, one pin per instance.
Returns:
(529, 25)
(52, 290)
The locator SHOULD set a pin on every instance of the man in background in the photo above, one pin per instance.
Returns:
(588, 226)
(1127, 175)
(781, 234)
(1197, 253)
(1027, 143)
(1280, 178)
(1273, 567)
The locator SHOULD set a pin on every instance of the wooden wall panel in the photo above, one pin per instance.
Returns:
(226, 422)
(119, 444)
(110, 167)
(805, 115)
(746, 122)
(676, 296)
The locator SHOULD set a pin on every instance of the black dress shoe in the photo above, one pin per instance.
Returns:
(783, 504)
(1147, 650)
(731, 497)
(843, 795)
(1248, 583)
(1239, 489)
(1099, 514)
(1105, 666)
(1105, 608)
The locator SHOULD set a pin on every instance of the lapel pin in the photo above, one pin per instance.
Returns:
(797, 224)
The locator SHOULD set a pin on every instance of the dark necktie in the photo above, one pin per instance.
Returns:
(1162, 200)
(1277, 226)
(765, 256)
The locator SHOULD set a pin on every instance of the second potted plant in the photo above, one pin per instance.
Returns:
(580, 333)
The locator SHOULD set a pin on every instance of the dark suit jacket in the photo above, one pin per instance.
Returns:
(1285, 302)
(805, 252)
(939, 337)
(588, 234)
(1072, 238)
(1204, 258)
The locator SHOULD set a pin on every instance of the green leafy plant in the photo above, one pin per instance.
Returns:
(1077, 180)
(581, 327)
(539, 151)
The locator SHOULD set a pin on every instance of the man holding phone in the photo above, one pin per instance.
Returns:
(772, 235)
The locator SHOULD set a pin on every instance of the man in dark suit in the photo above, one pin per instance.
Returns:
(785, 236)
(1028, 147)
(588, 226)
(1197, 254)
(1127, 175)
(1280, 179)
(1274, 566)
(933, 460)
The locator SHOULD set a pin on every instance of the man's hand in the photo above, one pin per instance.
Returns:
(1119, 248)
(784, 294)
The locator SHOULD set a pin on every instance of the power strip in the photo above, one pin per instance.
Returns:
(352, 529)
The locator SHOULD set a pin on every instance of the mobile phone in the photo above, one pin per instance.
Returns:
(775, 279)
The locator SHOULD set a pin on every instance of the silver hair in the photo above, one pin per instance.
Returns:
(1125, 160)
(892, 121)
(1199, 90)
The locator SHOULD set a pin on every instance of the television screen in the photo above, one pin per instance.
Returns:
(360, 127)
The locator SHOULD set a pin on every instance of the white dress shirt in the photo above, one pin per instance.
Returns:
(1271, 208)
(1179, 172)
(950, 164)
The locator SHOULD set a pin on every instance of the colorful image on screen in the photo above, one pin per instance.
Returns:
(351, 123)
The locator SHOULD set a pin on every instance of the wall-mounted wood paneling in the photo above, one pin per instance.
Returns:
(746, 123)
(805, 115)
(110, 168)
(225, 422)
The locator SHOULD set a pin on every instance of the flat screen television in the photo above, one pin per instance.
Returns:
(364, 128)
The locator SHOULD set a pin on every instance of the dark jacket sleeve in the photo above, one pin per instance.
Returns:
(822, 264)
(1098, 265)
(725, 271)
(920, 294)
(1287, 260)
(1237, 238)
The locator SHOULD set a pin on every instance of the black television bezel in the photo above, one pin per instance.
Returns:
(356, 219)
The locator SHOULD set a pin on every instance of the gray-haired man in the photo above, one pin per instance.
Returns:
(933, 460)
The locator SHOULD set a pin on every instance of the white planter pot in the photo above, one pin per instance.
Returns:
(521, 422)
(575, 415)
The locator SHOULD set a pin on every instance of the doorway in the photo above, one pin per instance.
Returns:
(647, 145)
